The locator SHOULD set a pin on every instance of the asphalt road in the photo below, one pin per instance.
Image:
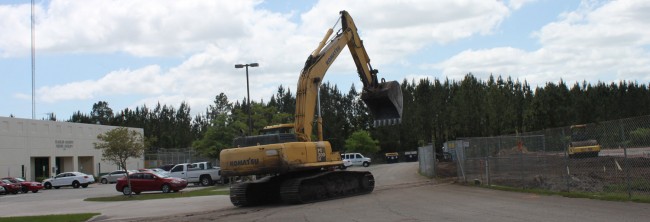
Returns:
(400, 195)
(68, 200)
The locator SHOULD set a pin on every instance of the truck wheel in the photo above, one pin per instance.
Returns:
(206, 181)
(366, 164)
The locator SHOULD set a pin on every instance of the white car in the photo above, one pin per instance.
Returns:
(74, 179)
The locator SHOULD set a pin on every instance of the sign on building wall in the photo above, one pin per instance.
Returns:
(64, 144)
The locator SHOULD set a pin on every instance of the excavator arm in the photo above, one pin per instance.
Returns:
(384, 99)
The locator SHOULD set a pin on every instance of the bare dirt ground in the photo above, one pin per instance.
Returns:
(557, 173)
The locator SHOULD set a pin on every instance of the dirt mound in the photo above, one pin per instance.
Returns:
(513, 150)
(446, 169)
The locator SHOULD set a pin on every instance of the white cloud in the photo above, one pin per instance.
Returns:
(141, 28)
(606, 42)
(147, 80)
(215, 35)
(517, 4)
(393, 29)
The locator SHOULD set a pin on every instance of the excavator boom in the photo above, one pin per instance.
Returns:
(383, 99)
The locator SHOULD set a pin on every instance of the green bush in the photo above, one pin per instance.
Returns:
(640, 137)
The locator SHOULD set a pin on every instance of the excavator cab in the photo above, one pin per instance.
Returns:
(384, 102)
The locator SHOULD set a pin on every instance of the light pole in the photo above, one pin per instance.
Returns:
(248, 92)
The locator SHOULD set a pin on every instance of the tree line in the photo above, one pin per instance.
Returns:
(434, 111)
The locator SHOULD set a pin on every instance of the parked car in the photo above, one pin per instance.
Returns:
(26, 186)
(392, 157)
(113, 176)
(10, 187)
(155, 170)
(2, 190)
(150, 181)
(167, 167)
(201, 172)
(74, 179)
(356, 158)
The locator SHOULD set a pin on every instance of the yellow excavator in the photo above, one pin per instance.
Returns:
(301, 170)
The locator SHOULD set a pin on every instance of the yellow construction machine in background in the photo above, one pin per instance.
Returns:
(582, 144)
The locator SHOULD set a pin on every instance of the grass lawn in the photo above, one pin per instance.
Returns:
(597, 196)
(51, 218)
(218, 190)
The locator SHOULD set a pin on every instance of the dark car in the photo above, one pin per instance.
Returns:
(167, 167)
(10, 187)
(26, 186)
(150, 181)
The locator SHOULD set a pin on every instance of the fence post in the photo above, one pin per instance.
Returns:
(521, 160)
(544, 156)
(566, 162)
(625, 164)
(487, 170)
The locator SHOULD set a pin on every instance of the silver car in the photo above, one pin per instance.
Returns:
(113, 176)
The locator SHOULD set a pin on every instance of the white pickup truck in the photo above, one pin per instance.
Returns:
(201, 172)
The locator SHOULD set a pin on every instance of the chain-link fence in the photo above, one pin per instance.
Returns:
(607, 157)
(162, 157)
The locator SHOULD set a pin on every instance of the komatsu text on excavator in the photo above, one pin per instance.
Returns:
(302, 170)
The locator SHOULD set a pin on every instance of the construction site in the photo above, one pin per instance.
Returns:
(615, 161)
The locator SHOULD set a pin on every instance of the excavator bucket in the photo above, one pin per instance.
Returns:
(385, 103)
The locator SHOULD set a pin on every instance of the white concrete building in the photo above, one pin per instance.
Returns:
(36, 148)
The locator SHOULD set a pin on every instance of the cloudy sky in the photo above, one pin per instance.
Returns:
(131, 52)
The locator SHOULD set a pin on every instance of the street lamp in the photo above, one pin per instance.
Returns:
(250, 121)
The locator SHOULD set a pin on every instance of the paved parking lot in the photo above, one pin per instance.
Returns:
(69, 200)
(93, 190)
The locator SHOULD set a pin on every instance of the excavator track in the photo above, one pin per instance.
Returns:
(255, 193)
(326, 186)
(299, 189)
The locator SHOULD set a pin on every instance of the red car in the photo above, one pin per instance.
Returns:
(10, 187)
(149, 181)
(26, 185)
